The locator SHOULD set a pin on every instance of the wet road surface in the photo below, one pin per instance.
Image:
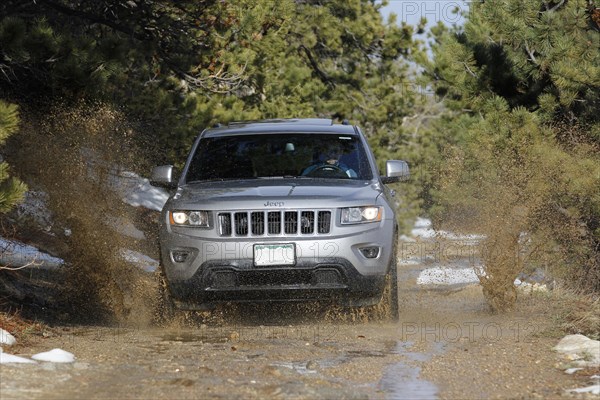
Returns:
(446, 345)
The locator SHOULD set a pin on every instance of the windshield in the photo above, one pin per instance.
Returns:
(279, 155)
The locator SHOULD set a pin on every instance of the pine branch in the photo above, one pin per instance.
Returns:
(315, 66)
(95, 19)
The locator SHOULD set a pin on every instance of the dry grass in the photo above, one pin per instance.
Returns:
(580, 314)
(19, 327)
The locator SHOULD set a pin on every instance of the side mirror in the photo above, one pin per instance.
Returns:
(163, 177)
(396, 171)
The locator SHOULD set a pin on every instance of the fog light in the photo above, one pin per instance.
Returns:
(370, 252)
(179, 256)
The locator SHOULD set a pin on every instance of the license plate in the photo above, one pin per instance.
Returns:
(274, 254)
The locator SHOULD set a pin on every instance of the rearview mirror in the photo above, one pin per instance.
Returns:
(163, 177)
(395, 171)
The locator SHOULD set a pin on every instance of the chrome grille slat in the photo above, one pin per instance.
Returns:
(290, 219)
(269, 222)
(225, 224)
(307, 222)
(274, 222)
(258, 223)
(324, 221)
(241, 223)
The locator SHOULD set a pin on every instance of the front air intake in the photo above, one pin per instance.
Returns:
(274, 223)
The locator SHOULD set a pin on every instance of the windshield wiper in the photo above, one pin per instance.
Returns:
(283, 177)
(220, 180)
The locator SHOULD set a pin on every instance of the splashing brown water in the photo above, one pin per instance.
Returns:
(525, 195)
(74, 155)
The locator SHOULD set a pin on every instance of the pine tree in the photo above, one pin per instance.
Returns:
(11, 189)
(176, 68)
(521, 83)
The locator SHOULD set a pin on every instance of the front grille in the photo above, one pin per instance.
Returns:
(260, 223)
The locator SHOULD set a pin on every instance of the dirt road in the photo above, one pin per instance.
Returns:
(446, 345)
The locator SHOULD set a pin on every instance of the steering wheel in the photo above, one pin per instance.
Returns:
(328, 170)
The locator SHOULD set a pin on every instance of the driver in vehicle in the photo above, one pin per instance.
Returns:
(330, 163)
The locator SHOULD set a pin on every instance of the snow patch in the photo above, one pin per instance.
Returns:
(423, 229)
(571, 371)
(409, 261)
(6, 358)
(138, 192)
(581, 350)
(140, 260)
(594, 389)
(16, 254)
(35, 206)
(447, 276)
(125, 228)
(530, 287)
(55, 355)
(462, 276)
(6, 338)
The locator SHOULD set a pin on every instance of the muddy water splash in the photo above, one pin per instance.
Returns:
(74, 154)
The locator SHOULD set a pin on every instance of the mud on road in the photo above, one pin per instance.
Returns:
(446, 345)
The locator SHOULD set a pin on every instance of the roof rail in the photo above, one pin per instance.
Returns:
(300, 121)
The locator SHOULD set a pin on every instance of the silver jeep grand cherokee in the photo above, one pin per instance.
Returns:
(279, 210)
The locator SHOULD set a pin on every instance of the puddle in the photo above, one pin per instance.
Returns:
(402, 381)
(300, 367)
(205, 336)
(313, 366)
(364, 353)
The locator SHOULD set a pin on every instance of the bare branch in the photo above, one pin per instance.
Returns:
(531, 56)
(27, 265)
(557, 6)
(469, 70)
(219, 82)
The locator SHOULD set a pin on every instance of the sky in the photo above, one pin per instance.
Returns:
(411, 11)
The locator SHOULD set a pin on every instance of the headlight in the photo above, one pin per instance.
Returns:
(189, 218)
(358, 215)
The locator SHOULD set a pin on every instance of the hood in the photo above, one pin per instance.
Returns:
(276, 193)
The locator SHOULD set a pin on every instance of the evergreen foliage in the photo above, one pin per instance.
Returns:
(177, 67)
(510, 139)
(521, 83)
(11, 189)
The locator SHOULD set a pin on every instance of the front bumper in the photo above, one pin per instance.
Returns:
(326, 268)
(332, 279)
